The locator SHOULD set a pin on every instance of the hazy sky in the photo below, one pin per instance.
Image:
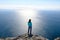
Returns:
(30, 2)
(43, 4)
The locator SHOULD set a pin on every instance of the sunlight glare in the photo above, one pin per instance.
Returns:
(26, 14)
(29, 13)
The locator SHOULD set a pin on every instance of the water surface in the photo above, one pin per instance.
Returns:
(45, 23)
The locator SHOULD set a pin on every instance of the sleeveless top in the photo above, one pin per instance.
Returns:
(30, 24)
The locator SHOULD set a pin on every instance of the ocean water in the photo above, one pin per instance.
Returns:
(45, 23)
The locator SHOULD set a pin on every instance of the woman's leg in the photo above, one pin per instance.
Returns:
(28, 30)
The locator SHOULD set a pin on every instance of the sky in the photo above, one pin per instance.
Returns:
(29, 2)
(38, 4)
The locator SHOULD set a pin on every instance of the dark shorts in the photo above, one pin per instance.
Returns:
(30, 27)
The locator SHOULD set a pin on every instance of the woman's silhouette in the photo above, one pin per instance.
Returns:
(29, 27)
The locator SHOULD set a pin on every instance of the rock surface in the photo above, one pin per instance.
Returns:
(26, 37)
(58, 38)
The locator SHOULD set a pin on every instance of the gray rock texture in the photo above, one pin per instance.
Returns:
(58, 38)
(26, 37)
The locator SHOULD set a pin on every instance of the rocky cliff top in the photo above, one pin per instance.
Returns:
(30, 37)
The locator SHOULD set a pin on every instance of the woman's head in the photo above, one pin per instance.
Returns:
(29, 20)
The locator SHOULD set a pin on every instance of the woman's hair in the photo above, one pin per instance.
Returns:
(29, 20)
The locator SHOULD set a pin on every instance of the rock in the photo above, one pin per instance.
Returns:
(1, 39)
(26, 37)
(10, 38)
(34, 37)
(58, 38)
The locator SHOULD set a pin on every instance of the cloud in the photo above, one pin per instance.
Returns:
(37, 7)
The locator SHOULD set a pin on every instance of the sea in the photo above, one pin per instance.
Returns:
(45, 23)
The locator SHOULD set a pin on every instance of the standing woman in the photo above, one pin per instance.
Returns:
(29, 27)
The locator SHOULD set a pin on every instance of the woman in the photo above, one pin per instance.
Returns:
(29, 27)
